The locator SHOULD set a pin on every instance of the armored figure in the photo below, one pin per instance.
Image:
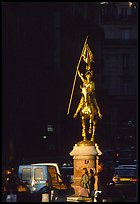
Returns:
(88, 105)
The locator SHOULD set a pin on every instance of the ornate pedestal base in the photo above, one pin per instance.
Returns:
(84, 155)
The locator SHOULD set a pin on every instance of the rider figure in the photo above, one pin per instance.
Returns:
(88, 88)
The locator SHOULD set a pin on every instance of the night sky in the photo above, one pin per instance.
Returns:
(35, 93)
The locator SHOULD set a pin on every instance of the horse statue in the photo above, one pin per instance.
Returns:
(88, 107)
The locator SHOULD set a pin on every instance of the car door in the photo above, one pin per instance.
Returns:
(57, 181)
(34, 176)
(25, 174)
(40, 177)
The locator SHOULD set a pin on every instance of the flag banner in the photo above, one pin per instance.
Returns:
(87, 54)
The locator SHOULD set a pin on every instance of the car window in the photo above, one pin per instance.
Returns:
(125, 172)
(26, 174)
(38, 174)
(54, 175)
(67, 171)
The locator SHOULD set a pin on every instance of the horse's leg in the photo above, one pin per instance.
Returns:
(83, 128)
(90, 126)
(80, 105)
(93, 131)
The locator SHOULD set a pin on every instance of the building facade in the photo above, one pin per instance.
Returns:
(42, 44)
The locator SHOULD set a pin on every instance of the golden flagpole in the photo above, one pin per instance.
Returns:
(76, 76)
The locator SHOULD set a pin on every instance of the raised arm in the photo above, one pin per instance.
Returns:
(81, 76)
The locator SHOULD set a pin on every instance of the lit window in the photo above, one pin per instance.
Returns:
(50, 128)
(130, 4)
(103, 3)
(44, 137)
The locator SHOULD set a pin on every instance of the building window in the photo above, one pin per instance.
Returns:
(106, 10)
(124, 12)
(125, 88)
(125, 34)
(125, 62)
(50, 128)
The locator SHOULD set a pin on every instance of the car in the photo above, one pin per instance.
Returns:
(54, 170)
(42, 178)
(124, 175)
(125, 156)
(126, 181)
(52, 164)
(58, 171)
(35, 177)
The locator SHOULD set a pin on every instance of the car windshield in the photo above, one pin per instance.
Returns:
(67, 171)
(125, 172)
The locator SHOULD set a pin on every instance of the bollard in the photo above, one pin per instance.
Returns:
(8, 198)
(52, 195)
(11, 198)
(104, 200)
(107, 200)
(45, 197)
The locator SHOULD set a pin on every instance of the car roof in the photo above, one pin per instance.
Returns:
(125, 168)
(67, 167)
(47, 164)
(127, 165)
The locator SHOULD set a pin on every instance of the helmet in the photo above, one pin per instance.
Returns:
(89, 72)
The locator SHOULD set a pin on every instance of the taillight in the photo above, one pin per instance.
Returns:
(4, 189)
(134, 179)
(47, 183)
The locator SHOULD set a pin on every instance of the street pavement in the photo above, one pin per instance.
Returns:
(75, 198)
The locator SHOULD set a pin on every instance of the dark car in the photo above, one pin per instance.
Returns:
(126, 180)
(124, 175)
(110, 194)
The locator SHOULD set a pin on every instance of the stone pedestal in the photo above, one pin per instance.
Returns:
(84, 155)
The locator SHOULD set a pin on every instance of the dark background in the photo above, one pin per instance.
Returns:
(36, 85)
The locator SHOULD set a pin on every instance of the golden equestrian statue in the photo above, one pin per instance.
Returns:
(88, 106)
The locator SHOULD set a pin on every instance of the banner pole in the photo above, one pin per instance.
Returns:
(76, 76)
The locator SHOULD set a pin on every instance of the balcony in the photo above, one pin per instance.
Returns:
(129, 43)
(119, 20)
